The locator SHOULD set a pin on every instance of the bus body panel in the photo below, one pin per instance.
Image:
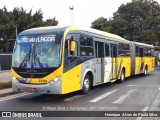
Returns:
(149, 62)
(107, 71)
(124, 62)
(71, 80)
(138, 63)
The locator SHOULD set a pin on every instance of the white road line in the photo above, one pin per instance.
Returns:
(73, 98)
(143, 86)
(144, 109)
(14, 96)
(103, 96)
(124, 97)
(132, 85)
(159, 88)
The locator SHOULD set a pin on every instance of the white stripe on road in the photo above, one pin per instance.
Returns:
(132, 85)
(124, 97)
(143, 86)
(73, 98)
(103, 96)
(14, 96)
(144, 109)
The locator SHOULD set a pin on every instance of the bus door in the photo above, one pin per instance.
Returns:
(141, 60)
(138, 60)
(107, 63)
(113, 61)
(99, 48)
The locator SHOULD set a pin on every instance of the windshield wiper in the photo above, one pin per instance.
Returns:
(26, 58)
(24, 62)
(38, 61)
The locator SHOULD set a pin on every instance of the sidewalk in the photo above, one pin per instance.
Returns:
(6, 91)
(5, 76)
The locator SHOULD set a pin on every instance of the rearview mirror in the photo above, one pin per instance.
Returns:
(72, 46)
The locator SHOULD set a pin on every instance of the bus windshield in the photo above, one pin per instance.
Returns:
(37, 51)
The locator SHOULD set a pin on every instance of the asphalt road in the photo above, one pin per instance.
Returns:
(138, 93)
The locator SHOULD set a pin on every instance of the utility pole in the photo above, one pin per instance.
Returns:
(71, 14)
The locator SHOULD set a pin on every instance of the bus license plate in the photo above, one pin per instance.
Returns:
(32, 90)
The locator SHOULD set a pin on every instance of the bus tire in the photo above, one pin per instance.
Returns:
(86, 84)
(145, 71)
(122, 77)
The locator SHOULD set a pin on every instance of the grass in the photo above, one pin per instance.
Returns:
(4, 85)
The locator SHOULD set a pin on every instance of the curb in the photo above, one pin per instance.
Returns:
(7, 92)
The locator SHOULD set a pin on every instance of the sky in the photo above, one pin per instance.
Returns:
(83, 14)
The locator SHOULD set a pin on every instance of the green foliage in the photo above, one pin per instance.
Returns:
(20, 19)
(138, 20)
(101, 24)
(4, 85)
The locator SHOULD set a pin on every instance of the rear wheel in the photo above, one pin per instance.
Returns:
(122, 77)
(145, 71)
(86, 85)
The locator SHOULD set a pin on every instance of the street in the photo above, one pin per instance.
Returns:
(137, 93)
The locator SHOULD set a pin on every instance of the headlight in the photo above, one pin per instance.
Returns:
(14, 80)
(54, 80)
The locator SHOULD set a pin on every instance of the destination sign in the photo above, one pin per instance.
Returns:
(39, 39)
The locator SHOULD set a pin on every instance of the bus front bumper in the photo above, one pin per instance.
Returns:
(55, 88)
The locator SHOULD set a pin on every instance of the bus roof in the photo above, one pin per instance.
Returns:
(57, 29)
(43, 30)
(106, 34)
(51, 29)
(143, 44)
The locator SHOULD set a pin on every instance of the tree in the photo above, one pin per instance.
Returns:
(51, 22)
(101, 24)
(19, 19)
(138, 20)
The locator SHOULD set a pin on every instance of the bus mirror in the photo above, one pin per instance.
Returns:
(72, 46)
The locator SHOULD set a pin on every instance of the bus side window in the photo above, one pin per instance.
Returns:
(86, 46)
(107, 50)
(113, 50)
(141, 52)
(137, 51)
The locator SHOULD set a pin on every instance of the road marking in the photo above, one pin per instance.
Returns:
(143, 86)
(124, 97)
(14, 96)
(144, 109)
(155, 104)
(132, 85)
(159, 88)
(103, 96)
(73, 98)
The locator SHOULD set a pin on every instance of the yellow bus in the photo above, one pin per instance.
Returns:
(60, 60)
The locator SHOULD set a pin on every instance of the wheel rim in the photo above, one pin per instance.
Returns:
(86, 84)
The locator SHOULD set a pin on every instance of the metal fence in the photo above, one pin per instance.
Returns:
(5, 66)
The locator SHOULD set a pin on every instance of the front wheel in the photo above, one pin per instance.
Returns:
(86, 85)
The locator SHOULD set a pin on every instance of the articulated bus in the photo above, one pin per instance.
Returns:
(60, 60)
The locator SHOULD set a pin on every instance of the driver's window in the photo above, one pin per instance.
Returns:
(70, 56)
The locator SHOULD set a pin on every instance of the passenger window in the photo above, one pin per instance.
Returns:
(137, 51)
(107, 49)
(86, 46)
